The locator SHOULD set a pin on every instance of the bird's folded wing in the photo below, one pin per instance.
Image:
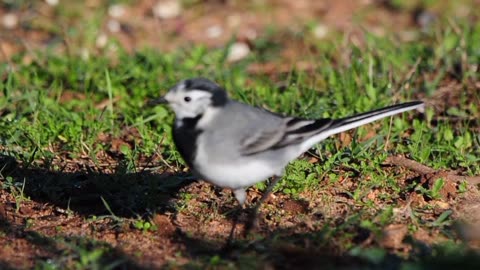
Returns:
(292, 131)
(260, 141)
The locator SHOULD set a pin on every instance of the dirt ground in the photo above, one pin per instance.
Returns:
(200, 228)
(212, 23)
(76, 213)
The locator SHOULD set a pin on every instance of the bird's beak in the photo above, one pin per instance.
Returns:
(154, 102)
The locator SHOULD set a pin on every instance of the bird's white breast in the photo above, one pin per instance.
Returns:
(234, 175)
(231, 171)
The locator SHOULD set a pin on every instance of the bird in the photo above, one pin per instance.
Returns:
(235, 145)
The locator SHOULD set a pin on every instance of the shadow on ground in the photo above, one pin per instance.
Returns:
(282, 249)
(43, 247)
(82, 195)
(142, 194)
(126, 194)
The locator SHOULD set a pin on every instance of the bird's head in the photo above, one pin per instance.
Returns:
(192, 97)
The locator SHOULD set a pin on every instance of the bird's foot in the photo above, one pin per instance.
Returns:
(252, 221)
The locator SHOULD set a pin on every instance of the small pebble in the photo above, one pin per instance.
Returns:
(320, 31)
(167, 9)
(113, 26)
(101, 40)
(214, 31)
(10, 20)
(116, 11)
(238, 51)
(52, 2)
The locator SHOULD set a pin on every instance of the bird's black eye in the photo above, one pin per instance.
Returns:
(187, 99)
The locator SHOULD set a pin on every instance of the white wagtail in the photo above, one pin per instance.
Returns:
(234, 145)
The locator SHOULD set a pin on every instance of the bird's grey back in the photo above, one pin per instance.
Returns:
(239, 122)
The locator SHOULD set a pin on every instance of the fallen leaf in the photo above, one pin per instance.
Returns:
(393, 235)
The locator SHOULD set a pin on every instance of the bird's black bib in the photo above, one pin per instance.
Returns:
(185, 137)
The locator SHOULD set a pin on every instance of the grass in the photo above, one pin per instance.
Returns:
(64, 114)
(38, 119)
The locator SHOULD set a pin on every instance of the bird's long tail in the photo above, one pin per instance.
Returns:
(347, 123)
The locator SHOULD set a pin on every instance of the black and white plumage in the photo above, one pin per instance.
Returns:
(234, 145)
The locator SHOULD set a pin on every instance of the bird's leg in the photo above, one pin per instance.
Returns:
(251, 222)
(241, 196)
(231, 236)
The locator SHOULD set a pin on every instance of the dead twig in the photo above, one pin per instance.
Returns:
(423, 169)
(410, 164)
